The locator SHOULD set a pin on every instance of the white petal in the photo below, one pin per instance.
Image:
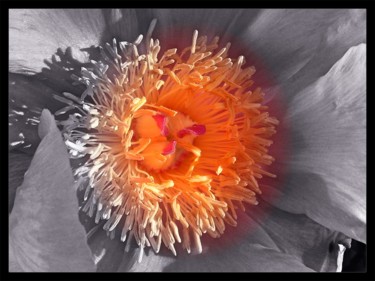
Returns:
(326, 170)
(273, 242)
(302, 45)
(44, 230)
(36, 34)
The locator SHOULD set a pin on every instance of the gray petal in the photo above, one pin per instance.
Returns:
(327, 163)
(300, 45)
(275, 241)
(36, 34)
(44, 231)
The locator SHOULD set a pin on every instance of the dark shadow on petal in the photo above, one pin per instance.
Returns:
(298, 141)
(30, 94)
(297, 191)
(62, 65)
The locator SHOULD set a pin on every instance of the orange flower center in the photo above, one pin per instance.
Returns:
(176, 144)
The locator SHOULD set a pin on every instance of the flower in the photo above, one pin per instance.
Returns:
(322, 106)
(175, 144)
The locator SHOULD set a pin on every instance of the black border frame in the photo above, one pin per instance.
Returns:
(5, 5)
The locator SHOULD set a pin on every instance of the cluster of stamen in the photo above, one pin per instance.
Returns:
(174, 145)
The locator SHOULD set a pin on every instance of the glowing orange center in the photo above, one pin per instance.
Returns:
(177, 144)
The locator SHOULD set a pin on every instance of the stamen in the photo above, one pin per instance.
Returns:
(174, 146)
(193, 44)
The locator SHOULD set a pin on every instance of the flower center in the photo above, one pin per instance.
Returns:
(176, 144)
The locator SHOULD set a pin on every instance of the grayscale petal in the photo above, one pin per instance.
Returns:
(36, 34)
(273, 242)
(300, 45)
(44, 232)
(326, 170)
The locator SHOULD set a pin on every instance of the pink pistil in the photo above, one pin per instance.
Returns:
(196, 130)
(161, 121)
(170, 148)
